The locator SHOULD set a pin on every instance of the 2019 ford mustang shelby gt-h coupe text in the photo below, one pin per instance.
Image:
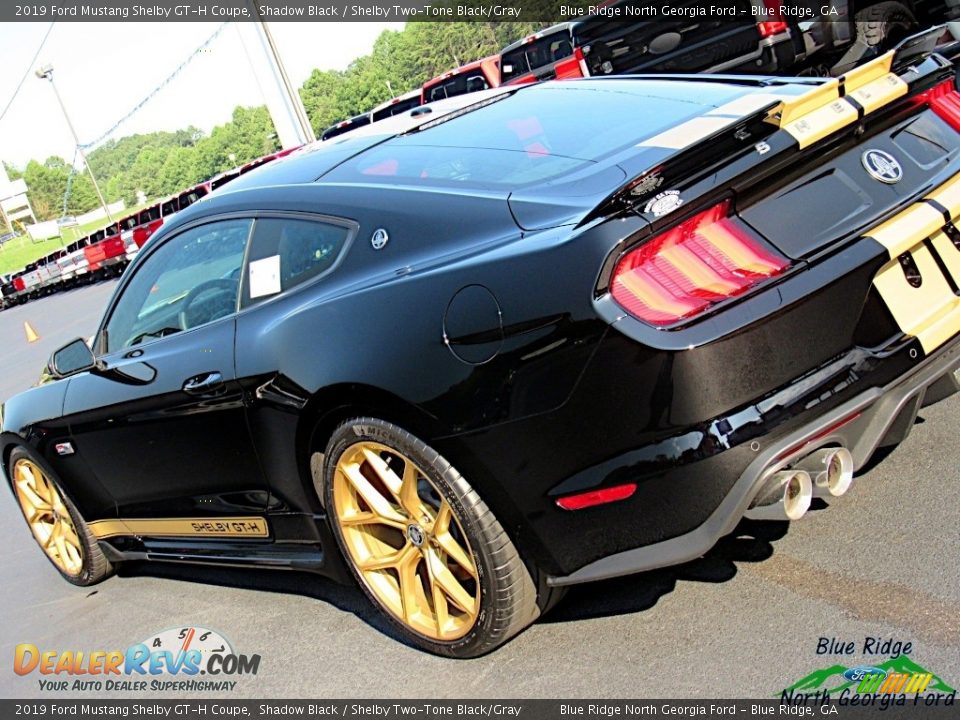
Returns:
(550, 334)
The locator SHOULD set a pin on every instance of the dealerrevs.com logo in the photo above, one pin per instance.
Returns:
(175, 660)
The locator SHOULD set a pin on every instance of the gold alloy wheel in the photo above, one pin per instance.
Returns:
(48, 517)
(405, 542)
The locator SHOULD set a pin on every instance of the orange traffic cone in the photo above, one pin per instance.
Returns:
(31, 333)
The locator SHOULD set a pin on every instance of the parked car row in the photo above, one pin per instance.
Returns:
(106, 252)
(794, 37)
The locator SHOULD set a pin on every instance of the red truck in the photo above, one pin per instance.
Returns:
(478, 75)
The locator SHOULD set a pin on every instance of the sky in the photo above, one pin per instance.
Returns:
(103, 70)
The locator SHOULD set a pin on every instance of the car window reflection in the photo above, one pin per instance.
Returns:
(191, 280)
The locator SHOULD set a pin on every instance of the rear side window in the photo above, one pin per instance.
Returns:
(287, 252)
(473, 81)
(396, 108)
(535, 55)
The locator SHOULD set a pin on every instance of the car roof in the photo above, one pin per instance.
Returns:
(314, 159)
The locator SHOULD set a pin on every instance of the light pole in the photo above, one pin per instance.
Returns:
(291, 102)
(46, 73)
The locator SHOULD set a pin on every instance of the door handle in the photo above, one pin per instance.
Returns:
(204, 384)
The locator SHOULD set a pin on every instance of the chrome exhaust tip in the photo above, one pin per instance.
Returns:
(785, 496)
(839, 472)
(831, 470)
(797, 494)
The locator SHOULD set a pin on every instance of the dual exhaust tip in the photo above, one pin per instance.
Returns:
(787, 494)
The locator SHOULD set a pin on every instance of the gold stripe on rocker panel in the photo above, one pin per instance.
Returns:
(227, 527)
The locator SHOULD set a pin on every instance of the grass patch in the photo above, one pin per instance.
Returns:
(22, 250)
(16, 253)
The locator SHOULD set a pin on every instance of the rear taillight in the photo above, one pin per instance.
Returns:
(769, 28)
(944, 100)
(682, 272)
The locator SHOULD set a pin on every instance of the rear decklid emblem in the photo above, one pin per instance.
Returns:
(882, 166)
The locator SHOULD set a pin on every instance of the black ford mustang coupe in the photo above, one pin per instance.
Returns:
(563, 332)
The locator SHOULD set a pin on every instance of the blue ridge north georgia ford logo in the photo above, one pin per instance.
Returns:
(882, 166)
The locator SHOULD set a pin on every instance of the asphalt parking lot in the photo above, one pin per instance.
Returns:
(745, 621)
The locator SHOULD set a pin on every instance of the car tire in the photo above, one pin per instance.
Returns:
(421, 543)
(883, 25)
(55, 522)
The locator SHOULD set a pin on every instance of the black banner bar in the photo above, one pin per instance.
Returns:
(877, 707)
(547, 11)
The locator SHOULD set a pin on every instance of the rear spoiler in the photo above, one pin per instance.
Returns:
(917, 48)
(845, 100)
(815, 112)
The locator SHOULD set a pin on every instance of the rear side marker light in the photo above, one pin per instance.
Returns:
(687, 269)
(597, 497)
(944, 100)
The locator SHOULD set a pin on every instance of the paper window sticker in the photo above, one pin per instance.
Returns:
(265, 277)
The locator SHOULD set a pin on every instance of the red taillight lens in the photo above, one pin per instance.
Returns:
(768, 28)
(597, 497)
(681, 273)
(944, 100)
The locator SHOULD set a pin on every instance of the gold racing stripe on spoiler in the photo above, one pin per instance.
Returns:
(879, 92)
(930, 312)
(808, 117)
(825, 120)
(225, 527)
(822, 111)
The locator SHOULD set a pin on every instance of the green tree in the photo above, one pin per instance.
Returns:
(47, 186)
(178, 171)
(401, 61)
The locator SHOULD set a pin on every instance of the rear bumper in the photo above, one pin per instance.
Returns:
(877, 417)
